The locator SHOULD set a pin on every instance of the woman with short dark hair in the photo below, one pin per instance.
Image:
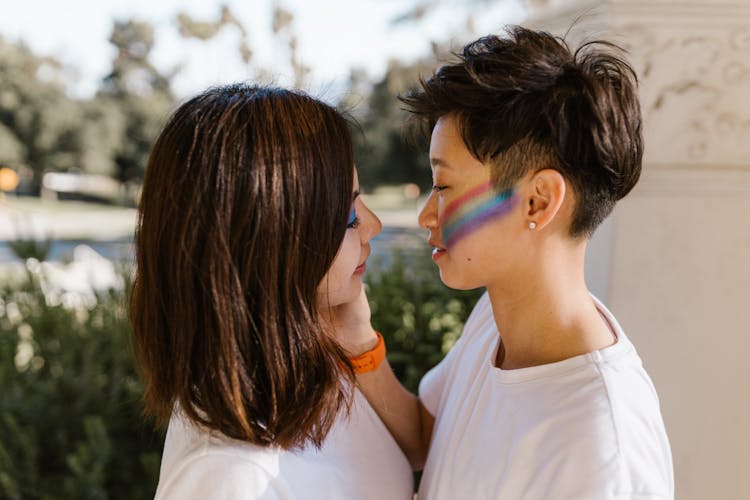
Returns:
(544, 396)
(250, 234)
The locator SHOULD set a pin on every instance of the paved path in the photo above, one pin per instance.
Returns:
(32, 218)
(29, 218)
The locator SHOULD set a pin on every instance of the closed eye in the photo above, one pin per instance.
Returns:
(437, 189)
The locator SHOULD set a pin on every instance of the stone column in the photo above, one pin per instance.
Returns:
(673, 261)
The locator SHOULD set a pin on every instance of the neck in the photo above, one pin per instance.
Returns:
(549, 315)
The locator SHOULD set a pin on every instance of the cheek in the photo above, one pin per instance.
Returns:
(340, 285)
(475, 216)
(347, 259)
(481, 255)
(349, 251)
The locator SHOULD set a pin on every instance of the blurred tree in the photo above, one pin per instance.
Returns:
(12, 151)
(102, 131)
(383, 157)
(39, 123)
(111, 134)
(132, 104)
(126, 115)
(206, 30)
(282, 26)
(132, 71)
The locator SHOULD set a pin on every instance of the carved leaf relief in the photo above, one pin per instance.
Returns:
(695, 93)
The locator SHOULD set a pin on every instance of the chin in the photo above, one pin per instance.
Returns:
(344, 296)
(457, 282)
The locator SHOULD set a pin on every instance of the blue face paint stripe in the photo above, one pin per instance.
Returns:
(468, 218)
(460, 205)
(479, 221)
(500, 198)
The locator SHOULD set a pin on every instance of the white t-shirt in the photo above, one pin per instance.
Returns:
(586, 428)
(359, 460)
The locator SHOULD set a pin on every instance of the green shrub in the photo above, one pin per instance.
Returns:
(70, 413)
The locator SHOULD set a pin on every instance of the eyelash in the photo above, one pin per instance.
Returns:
(437, 189)
(353, 220)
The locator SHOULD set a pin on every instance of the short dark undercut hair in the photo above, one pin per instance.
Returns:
(525, 102)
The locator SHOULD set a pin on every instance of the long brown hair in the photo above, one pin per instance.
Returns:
(244, 207)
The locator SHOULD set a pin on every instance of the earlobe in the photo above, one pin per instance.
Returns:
(545, 198)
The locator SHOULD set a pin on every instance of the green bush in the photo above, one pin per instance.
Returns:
(70, 413)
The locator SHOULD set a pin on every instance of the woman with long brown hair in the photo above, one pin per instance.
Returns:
(250, 235)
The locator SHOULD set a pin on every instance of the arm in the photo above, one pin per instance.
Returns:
(403, 414)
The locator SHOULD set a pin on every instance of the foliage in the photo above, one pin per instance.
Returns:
(39, 124)
(139, 97)
(70, 410)
(43, 129)
(383, 157)
(30, 248)
(206, 30)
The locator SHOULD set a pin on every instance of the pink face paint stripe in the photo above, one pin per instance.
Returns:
(459, 229)
(456, 204)
(475, 207)
(472, 207)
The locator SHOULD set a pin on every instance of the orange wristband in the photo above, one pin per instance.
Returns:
(370, 360)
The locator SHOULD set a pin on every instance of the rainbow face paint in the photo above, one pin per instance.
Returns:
(474, 209)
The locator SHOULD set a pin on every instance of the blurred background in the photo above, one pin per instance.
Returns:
(86, 85)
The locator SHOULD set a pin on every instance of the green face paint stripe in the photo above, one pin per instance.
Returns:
(491, 209)
(458, 203)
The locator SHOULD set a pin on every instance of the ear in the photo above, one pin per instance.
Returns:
(545, 196)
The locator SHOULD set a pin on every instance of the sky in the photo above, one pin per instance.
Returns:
(334, 36)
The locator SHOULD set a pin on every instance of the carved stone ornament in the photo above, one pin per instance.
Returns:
(692, 58)
(695, 92)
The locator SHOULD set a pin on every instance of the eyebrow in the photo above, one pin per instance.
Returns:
(439, 162)
(354, 195)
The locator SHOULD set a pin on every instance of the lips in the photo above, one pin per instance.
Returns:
(362, 267)
(434, 244)
(438, 250)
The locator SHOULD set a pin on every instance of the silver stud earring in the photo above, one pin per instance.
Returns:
(532, 225)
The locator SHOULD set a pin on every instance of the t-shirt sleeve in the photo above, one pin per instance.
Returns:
(222, 477)
(433, 384)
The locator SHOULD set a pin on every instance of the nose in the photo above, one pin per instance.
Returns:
(428, 217)
(371, 225)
